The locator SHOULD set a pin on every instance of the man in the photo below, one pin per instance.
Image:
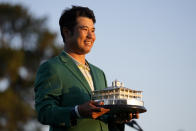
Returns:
(64, 84)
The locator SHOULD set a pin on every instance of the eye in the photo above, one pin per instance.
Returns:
(93, 30)
(83, 28)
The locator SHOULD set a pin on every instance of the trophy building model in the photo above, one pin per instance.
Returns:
(117, 97)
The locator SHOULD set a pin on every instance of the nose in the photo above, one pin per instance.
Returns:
(90, 34)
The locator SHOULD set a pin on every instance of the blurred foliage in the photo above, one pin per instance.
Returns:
(25, 41)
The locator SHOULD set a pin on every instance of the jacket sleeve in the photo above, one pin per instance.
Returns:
(48, 91)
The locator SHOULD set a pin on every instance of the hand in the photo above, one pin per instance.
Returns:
(90, 109)
(124, 117)
(97, 114)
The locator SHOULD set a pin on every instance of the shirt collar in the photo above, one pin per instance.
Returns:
(86, 66)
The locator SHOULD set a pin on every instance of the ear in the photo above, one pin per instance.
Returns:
(66, 33)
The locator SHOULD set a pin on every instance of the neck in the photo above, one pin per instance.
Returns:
(80, 58)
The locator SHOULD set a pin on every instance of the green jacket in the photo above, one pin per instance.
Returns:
(59, 86)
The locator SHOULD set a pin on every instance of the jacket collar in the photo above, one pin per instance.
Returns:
(71, 65)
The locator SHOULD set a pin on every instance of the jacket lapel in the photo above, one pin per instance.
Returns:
(69, 63)
(94, 76)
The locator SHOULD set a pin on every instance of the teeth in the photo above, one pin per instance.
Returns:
(88, 42)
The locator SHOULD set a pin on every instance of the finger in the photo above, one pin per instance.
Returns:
(91, 105)
(136, 116)
(94, 102)
(104, 110)
(101, 103)
(97, 114)
(131, 116)
(96, 109)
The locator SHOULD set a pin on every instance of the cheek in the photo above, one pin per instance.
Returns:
(82, 36)
(79, 38)
(94, 38)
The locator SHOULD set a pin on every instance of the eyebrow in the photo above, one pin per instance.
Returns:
(84, 26)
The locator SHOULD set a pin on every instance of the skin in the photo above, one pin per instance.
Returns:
(78, 44)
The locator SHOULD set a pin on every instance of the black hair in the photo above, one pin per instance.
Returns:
(70, 15)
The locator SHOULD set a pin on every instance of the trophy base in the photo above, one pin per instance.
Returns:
(125, 108)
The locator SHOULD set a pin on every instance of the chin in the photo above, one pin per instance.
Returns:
(84, 52)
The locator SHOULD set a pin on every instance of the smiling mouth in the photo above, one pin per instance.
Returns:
(88, 42)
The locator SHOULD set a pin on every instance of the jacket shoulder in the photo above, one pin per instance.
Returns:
(96, 68)
(52, 62)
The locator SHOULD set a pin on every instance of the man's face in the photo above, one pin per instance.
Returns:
(83, 36)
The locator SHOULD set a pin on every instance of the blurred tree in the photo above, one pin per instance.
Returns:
(25, 42)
